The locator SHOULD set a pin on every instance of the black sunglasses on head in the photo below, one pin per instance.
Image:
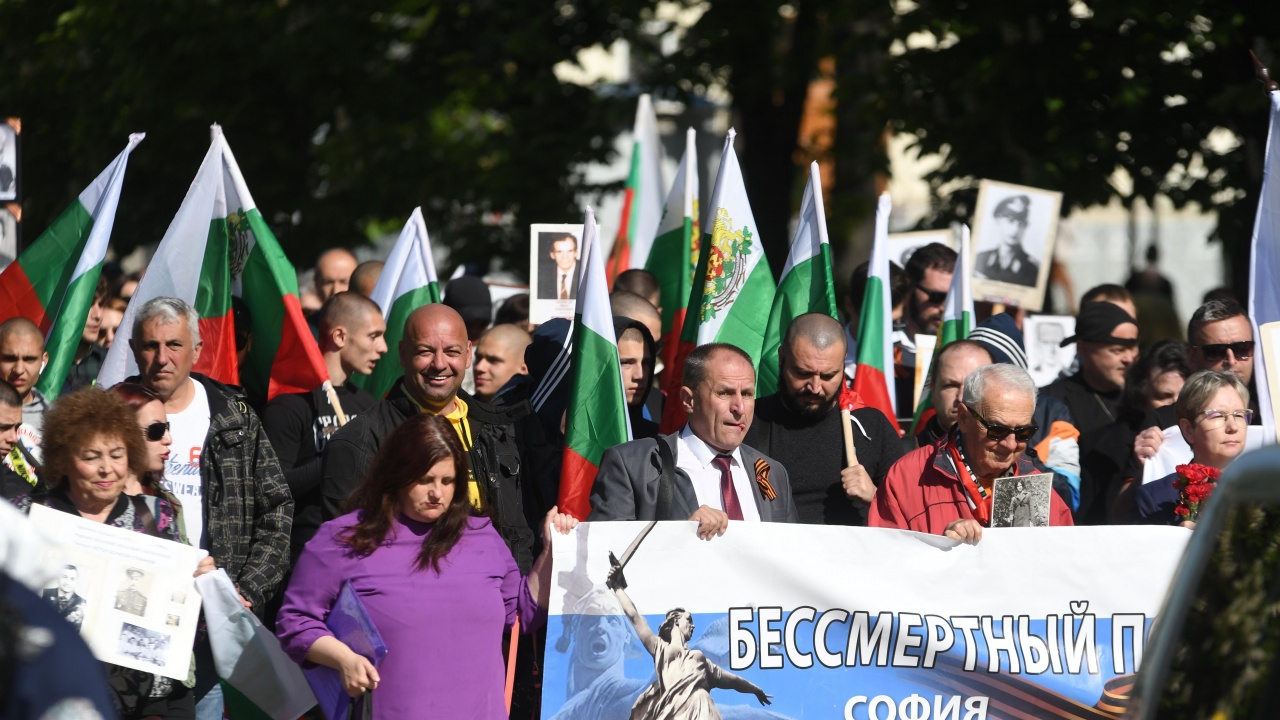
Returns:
(934, 297)
(1217, 352)
(997, 432)
(155, 431)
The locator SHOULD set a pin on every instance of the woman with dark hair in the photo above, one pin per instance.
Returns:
(1153, 381)
(90, 444)
(147, 471)
(435, 576)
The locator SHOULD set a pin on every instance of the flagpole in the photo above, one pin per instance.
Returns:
(333, 400)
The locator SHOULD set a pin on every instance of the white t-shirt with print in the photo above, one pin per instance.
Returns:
(182, 470)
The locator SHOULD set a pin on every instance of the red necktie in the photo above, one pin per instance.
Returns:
(728, 495)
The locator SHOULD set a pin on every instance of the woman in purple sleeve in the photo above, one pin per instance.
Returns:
(434, 575)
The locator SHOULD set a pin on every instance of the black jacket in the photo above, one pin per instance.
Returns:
(497, 460)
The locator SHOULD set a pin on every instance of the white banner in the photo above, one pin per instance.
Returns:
(838, 622)
(132, 596)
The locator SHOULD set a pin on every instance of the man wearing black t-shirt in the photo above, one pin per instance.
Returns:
(1107, 344)
(298, 425)
(800, 427)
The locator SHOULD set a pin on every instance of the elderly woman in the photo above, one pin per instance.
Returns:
(90, 438)
(1213, 414)
(436, 578)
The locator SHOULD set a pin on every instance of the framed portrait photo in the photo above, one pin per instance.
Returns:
(9, 227)
(554, 271)
(1014, 228)
(903, 245)
(1043, 336)
(9, 129)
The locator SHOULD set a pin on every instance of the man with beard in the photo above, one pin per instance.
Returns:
(929, 271)
(800, 426)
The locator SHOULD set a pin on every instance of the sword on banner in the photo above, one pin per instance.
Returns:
(618, 578)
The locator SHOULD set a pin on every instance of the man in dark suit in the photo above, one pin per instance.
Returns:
(64, 598)
(1008, 261)
(715, 478)
(558, 279)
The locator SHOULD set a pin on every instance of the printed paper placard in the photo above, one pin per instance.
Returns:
(554, 271)
(132, 596)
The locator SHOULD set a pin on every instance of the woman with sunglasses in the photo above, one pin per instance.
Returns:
(946, 488)
(146, 473)
(1213, 415)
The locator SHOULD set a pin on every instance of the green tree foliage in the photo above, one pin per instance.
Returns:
(341, 112)
(1060, 94)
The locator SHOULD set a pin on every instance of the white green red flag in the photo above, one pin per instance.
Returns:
(284, 357)
(52, 282)
(873, 380)
(1264, 262)
(674, 255)
(219, 224)
(733, 287)
(642, 201)
(806, 285)
(596, 413)
(408, 281)
(957, 322)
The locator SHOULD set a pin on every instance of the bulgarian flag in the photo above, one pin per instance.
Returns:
(219, 223)
(642, 203)
(957, 323)
(408, 281)
(284, 357)
(52, 282)
(873, 378)
(733, 287)
(806, 285)
(1264, 264)
(596, 414)
(674, 256)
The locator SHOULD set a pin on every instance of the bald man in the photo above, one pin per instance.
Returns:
(948, 372)
(365, 277)
(640, 282)
(434, 356)
(499, 357)
(333, 272)
(299, 424)
(800, 425)
(22, 359)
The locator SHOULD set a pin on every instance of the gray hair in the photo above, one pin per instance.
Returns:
(1212, 312)
(1199, 390)
(168, 310)
(1010, 376)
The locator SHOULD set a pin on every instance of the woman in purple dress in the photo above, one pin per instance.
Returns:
(434, 575)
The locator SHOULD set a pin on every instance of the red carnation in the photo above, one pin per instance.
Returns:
(1195, 483)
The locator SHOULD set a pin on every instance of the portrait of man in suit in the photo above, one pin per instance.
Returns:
(65, 599)
(130, 598)
(712, 476)
(1008, 260)
(558, 266)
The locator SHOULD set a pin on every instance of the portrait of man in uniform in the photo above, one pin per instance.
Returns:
(1014, 229)
(130, 598)
(1008, 261)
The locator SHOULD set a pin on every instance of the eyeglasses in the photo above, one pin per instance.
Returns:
(1217, 352)
(1214, 419)
(997, 432)
(155, 431)
(934, 297)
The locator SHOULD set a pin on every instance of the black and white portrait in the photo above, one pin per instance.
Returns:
(554, 270)
(66, 597)
(143, 645)
(903, 245)
(1021, 501)
(1014, 229)
(1043, 334)
(132, 595)
(8, 162)
(8, 238)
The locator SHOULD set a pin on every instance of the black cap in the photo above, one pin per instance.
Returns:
(1096, 322)
(469, 295)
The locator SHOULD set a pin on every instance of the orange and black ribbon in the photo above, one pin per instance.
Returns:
(762, 479)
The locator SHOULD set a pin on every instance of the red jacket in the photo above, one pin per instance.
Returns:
(922, 492)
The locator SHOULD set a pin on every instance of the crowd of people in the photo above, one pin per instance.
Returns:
(436, 501)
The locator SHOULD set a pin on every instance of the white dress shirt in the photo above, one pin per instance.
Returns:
(694, 457)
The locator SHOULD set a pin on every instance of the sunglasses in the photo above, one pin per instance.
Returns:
(934, 297)
(1217, 352)
(997, 432)
(155, 431)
